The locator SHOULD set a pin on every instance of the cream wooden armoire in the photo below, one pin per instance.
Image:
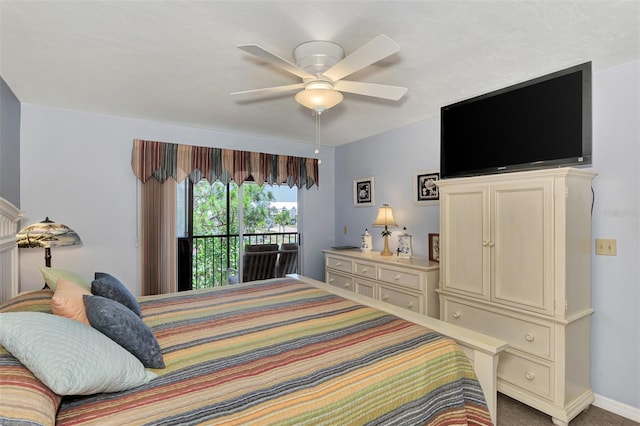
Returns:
(515, 253)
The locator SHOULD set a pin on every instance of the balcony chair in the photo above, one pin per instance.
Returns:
(259, 262)
(287, 259)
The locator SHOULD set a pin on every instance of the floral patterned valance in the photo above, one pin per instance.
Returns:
(161, 160)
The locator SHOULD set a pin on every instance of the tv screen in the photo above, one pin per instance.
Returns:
(541, 123)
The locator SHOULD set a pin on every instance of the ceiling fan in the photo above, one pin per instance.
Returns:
(322, 66)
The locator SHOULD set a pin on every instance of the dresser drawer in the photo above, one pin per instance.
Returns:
(531, 337)
(366, 288)
(526, 374)
(400, 299)
(340, 280)
(340, 264)
(365, 270)
(406, 279)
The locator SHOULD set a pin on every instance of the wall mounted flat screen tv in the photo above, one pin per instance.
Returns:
(541, 123)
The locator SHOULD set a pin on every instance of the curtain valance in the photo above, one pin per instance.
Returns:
(162, 160)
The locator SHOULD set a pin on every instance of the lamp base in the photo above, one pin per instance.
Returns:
(386, 251)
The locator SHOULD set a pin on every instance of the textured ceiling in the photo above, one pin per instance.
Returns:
(177, 61)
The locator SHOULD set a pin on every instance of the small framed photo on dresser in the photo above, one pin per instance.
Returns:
(363, 192)
(425, 190)
(434, 247)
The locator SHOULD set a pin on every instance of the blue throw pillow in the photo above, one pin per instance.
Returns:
(124, 327)
(108, 286)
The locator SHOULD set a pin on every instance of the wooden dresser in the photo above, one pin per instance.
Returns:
(515, 252)
(408, 283)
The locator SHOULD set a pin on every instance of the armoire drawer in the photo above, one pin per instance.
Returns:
(339, 280)
(400, 299)
(339, 264)
(365, 270)
(526, 374)
(531, 337)
(406, 279)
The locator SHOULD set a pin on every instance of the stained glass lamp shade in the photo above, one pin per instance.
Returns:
(47, 234)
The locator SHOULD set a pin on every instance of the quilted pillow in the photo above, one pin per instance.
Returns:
(124, 327)
(69, 357)
(51, 276)
(67, 301)
(32, 301)
(108, 286)
(24, 400)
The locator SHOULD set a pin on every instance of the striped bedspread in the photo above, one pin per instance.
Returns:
(284, 352)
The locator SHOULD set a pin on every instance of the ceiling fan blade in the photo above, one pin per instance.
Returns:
(373, 51)
(279, 61)
(393, 93)
(269, 90)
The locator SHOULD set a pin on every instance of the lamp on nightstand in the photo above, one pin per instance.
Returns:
(385, 218)
(47, 234)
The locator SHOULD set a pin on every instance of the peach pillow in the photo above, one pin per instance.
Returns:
(67, 300)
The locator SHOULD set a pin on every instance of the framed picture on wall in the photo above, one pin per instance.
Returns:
(434, 247)
(425, 190)
(363, 192)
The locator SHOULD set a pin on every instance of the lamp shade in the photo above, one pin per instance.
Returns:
(319, 99)
(47, 234)
(385, 217)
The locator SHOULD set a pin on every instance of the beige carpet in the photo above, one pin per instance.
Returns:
(514, 413)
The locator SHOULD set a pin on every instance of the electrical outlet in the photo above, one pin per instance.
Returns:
(606, 247)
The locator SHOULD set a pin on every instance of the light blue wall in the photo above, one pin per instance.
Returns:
(393, 157)
(9, 145)
(76, 169)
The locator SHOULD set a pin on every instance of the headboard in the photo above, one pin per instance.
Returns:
(9, 271)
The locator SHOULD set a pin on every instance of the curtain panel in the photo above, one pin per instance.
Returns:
(162, 160)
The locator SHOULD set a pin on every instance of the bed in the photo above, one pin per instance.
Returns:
(279, 351)
(283, 351)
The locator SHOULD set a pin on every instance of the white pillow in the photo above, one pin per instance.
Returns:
(69, 357)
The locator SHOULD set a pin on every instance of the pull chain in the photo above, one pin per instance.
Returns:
(317, 150)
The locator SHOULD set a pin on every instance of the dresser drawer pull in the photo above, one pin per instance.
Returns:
(396, 277)
(529, 337)
(385, 297)
(331, 280)
(338, 263)
(529, 375)
(456, 314)
(364, 270)
(347, 284)
(410, 305)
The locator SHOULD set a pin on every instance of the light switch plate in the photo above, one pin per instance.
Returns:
(606, 247)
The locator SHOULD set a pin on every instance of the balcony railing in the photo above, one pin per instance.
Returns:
(203, 261)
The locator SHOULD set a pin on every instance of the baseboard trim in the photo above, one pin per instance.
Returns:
(624, 410)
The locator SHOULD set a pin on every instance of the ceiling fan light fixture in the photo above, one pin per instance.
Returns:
(318, 99)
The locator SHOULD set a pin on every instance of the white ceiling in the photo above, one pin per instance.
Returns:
(177, 61)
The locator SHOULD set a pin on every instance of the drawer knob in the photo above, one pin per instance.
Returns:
(364, 270)
(529, 375)
(410, 305)
(338, 263)
(485, 243)
(491, 244)
(347, 284)
(396, 277)
(529, 337)
(385, 297)
(331, 280)
(456, 314)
